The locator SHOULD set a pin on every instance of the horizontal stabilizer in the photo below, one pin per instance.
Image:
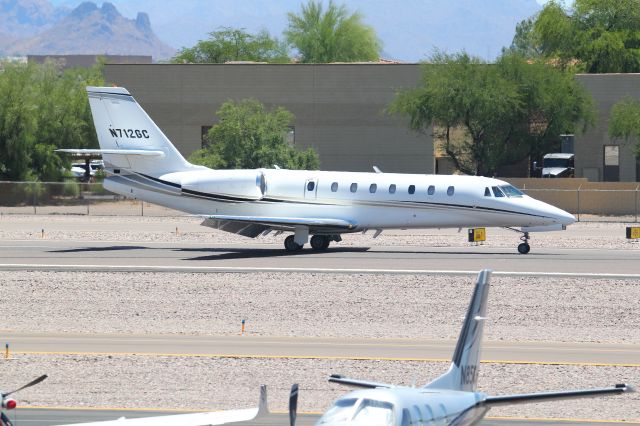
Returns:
(144, 152)
(341, 380)
(547, 396)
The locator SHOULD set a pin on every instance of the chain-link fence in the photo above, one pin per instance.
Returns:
(616, 205)
(72, 198)
(92, 199)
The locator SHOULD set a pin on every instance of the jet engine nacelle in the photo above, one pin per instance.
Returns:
(246, 184)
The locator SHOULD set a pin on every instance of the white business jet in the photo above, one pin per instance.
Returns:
(316, 206)
(451, 399)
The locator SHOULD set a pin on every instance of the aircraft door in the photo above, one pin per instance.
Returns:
(311, 188)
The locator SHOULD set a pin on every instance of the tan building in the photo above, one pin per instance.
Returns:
(339, 108)
(598, 158)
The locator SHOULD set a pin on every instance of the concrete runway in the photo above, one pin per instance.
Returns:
(296, 347)
(44, 417)
(198, 257)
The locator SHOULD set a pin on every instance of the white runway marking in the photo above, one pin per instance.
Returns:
(243, 269)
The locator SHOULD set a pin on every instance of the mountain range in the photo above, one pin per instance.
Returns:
(38, 28)
(410, 30)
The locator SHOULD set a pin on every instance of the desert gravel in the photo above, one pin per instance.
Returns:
(277, 304)
(285, 304)
(208, 384)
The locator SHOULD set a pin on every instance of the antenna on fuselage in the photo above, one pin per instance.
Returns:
(376, 169)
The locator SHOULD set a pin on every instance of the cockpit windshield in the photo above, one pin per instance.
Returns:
(511, 191)
(342, 411)
(373, 413)
(366, 412)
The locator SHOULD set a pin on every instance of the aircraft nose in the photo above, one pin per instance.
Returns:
(565, 218)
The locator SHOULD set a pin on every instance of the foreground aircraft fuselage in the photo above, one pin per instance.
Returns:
(142, 163)
(451, 399)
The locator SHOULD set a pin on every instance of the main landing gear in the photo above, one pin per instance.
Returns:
(318, 242)
(524, 247)
(291, 245)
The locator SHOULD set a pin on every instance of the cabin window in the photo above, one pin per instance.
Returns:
(412, 189)
(487, 192)
(431, 190)
(418, 416)
(450, 190)
(392, 188)
(444, 412)
(334, 187)
(311, 185)
(373, 188)
(429, 413)
(406, 417)
(497, 192)
(354, 187)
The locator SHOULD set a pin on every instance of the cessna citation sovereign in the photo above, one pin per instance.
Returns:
(451, 399)
(141, 162)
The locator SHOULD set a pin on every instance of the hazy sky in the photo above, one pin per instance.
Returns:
(410, 30)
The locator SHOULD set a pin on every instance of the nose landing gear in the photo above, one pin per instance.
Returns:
(524, 247)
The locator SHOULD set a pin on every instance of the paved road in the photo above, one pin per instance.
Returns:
(44, 417)
(73, 255)
(254, 346)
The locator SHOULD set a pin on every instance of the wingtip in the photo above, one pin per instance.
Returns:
(626, 388)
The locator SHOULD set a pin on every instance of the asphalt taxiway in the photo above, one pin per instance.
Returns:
(50, 416)
(247, 346)
(199, 257)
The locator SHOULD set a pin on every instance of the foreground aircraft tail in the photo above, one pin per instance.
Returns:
(128, 138)
(463, 373)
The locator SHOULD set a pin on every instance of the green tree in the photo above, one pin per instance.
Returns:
(492, 115)
(42, 109)
(524, 41)
(249, 136)
(333, 35)
(597, 36)
(624, 121)
(231, 44)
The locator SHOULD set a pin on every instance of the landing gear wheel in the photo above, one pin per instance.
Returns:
(320, 242)
(291, 245)
(524, 247)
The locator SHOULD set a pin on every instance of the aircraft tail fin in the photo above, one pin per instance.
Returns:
(463, 372)
(128, 137)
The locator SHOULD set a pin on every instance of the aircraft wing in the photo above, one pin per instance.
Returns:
(545, 396)
(193, 419)
(252, 226)
(356, 383)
